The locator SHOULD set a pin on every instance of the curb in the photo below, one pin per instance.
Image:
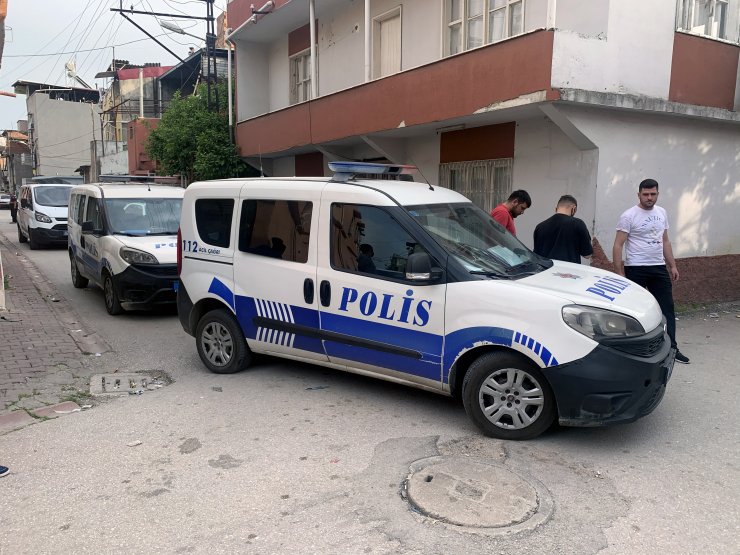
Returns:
(2, 284)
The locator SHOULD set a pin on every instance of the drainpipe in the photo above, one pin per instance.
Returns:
(551, 10)
(229, 46)
(368, 74)
(141, 92)
(312, 19)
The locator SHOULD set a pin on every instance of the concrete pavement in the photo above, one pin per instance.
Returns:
(45, 348)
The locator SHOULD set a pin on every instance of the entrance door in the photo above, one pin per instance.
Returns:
(275, 269)
(373, 319)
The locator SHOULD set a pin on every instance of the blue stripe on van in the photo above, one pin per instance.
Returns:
(431, 365)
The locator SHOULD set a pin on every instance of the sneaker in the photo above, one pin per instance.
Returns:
(682, 358)
(4, 470)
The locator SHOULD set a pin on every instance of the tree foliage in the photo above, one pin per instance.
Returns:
(193, 141)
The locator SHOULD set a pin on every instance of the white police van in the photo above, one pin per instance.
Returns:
(413, 283)
(122, 236)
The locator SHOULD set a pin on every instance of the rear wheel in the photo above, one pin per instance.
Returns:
(21, 237)
(77, 280)
(112, 304)
(507, 397)
(221, 343)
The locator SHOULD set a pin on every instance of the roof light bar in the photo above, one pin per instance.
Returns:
(344, 171)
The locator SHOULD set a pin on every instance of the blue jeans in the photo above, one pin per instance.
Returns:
(657, 280)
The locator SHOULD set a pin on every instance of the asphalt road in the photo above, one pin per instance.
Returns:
(294, 458)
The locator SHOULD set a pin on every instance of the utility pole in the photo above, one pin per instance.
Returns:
(211, 74)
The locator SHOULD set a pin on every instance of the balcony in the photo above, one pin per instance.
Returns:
(470, 86)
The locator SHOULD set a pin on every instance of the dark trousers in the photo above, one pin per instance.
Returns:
(657, 280)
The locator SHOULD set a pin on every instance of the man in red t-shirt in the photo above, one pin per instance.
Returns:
(514, 207)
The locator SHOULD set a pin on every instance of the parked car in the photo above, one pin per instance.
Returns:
(122, 237)
(414, 284)
(42, 216)
(5, 200)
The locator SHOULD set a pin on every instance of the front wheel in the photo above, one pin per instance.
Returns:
(221, 343)
(507, 397)
(21, 237)
(112, 304)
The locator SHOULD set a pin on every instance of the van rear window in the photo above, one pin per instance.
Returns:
(213, 220)
(276, 228)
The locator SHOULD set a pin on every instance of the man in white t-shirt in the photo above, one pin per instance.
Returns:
(642, 232)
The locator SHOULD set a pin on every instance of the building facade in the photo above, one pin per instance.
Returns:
(488, 96)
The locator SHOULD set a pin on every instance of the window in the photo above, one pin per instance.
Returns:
(79, 209)
(387, 43)
(300, 77)
(276, 228)
(93, 213)
(368, 240)
(709, 18)
(486, 182)
(213, 220)
(473, 23)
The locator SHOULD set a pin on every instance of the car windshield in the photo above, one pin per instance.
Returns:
(52, 195)
(149, 216)
(480, 243)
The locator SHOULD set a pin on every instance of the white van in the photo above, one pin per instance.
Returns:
(122, 237)
(42, 214)
(414, 284)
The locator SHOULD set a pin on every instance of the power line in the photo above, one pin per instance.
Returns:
(77, 51)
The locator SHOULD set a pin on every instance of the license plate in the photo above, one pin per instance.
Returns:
(176, 285)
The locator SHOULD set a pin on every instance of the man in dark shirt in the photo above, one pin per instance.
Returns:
(563, 236)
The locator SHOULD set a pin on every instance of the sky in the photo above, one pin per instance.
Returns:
(41, 36)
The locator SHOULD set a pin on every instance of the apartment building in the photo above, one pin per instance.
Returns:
(487, 96)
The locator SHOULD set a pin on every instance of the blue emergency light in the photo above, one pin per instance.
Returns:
(344, 171)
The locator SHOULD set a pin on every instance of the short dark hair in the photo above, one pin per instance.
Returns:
(522, 196)
(567, 199)
(648, 184)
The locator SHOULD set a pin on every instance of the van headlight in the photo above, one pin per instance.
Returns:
(41, 217)
(598, 324)
(135, 256)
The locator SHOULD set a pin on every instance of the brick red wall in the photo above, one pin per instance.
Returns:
(703, 279)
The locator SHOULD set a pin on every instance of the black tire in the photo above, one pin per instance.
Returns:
(507, 396)
(221, 344)
(32, 242)
(21, 237)
(110, 296)
(78, 280)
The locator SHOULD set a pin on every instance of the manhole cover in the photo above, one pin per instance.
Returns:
(122, 384)
(465, 492)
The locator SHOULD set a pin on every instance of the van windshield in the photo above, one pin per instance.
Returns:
(137, 216)
(478, 241)
(51, 195)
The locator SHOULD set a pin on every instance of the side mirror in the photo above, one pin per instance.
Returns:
(87, 227)
(24, 203)
(419, 268)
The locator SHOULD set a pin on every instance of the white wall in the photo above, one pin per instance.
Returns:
(695, 162)
(630, 53)
(114, 163)
(252, 80)
(548, 165)
(63, 132)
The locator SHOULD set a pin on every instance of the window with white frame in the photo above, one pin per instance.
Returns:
(300, 77)
(718, 19)
(387, 43)
(473, 23)
(486, 182)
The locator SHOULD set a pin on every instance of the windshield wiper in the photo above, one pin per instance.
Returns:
(490, 273)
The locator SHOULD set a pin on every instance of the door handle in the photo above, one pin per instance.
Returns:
(325, 293)
(308, 290)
